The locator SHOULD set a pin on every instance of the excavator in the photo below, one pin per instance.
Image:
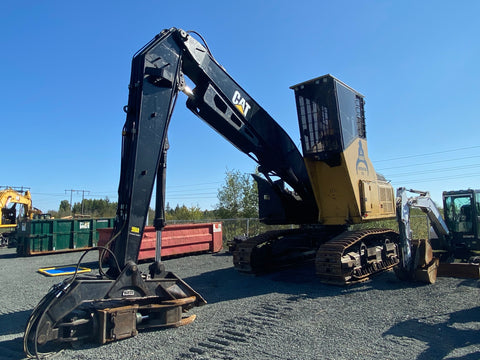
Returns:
(329, 187)
(15, 203)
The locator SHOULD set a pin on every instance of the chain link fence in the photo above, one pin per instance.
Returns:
(252, 226)
(238, 227)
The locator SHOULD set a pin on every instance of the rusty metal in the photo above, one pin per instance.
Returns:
(117, 323)
(125, 321)
(428, 273)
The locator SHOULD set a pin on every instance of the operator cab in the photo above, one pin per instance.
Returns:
(331, 117)
(462, 215)
(331, 120)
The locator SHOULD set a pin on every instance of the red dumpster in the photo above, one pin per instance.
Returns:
(179, 239)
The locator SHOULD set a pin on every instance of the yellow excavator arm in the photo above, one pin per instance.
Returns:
(9, 198)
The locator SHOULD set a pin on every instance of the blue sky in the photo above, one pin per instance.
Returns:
(65, 68)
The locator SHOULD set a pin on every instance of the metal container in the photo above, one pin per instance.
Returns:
(45, 236)
(179, 239)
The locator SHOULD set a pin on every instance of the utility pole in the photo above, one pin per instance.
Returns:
(83, 196)
(77, 192)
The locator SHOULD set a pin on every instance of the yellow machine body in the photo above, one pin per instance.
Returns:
(351, 192)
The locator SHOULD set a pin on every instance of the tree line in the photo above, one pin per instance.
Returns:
(237, 198)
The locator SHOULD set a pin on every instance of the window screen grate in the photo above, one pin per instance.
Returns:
(318, 134)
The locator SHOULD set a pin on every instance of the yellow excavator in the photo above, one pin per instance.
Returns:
(15, 205)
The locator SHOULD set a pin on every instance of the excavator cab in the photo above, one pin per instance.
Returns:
(331, 119)
(462, 215)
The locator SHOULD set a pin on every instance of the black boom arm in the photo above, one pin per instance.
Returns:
(158, 74)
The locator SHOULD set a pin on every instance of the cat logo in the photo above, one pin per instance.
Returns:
(240, 103)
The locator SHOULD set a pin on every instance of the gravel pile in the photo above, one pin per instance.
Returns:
(286, 315)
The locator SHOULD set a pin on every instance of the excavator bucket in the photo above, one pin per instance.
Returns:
(425, 264)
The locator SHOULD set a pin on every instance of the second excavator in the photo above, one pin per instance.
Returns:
(15, 204)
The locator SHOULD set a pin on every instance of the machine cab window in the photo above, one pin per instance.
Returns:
(459, 213)
(331, 116)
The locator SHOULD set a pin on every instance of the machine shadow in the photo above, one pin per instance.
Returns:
(12, 349)
(13, 323)
(8, 255)
(458, 330)
(229, 284)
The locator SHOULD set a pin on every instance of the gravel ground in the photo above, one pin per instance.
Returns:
(286, 315)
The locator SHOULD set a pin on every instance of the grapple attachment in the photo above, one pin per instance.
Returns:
(95, 308)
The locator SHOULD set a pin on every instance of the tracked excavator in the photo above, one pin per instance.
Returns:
(330, 186)
(15, 204)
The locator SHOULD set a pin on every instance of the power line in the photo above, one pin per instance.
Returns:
(427, 154)
(430, 162)
(429, 171)
(440, 178)
(50, 194)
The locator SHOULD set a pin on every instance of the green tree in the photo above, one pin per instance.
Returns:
(63, 209)
(96, 207)
(238, 196)
(184, 213)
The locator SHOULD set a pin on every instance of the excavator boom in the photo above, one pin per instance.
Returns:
(159, 72)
